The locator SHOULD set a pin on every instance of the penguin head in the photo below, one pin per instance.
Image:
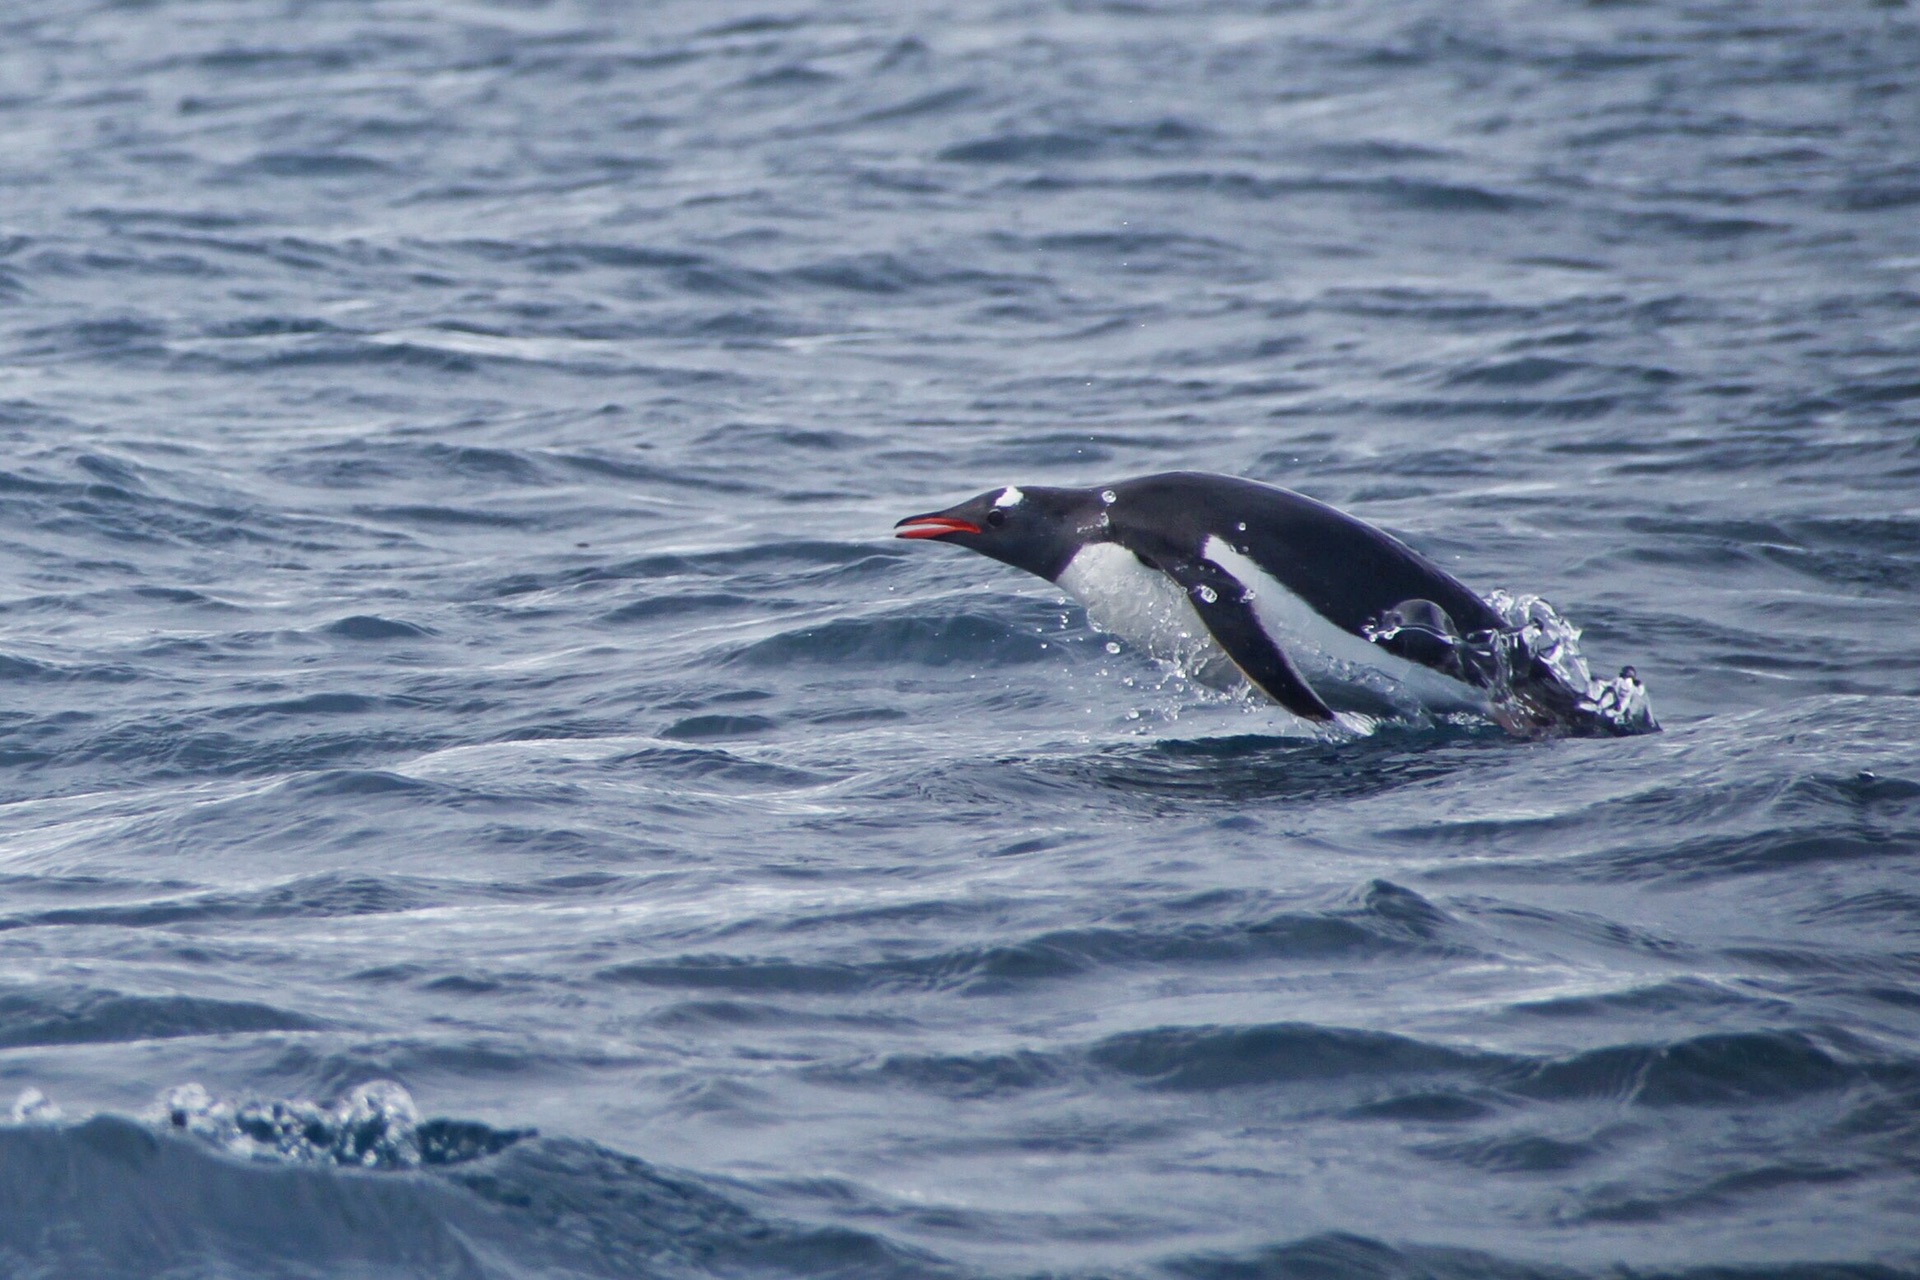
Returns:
(1035, 529)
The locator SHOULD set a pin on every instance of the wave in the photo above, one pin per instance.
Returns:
(1341, 1254)
(287, 1187)
(68, 1016)
(1043, 149)
(1413, 1078)
(1237, 769)
(977, 639)
(375, 1126)
(1358, 1257)
(1382, 921)
(325, 896)
(1200, 1059)
(207, 1186)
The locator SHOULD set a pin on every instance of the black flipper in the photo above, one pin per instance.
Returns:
(1221, 601)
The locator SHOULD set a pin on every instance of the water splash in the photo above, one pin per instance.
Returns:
(1538, 680)
(1545, 682)
(376, 1126)
(34, 1107)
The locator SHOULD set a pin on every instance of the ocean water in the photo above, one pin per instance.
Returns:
(482, 794)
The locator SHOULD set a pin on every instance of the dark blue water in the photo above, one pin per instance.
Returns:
(482, 795)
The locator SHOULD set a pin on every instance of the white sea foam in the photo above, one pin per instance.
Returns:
(34, 1107)
(375, 1126)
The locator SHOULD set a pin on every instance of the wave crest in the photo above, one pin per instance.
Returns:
(376, 1126)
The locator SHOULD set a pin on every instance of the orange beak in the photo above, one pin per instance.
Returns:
(934, 526)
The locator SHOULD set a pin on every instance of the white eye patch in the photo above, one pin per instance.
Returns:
(1009, 497)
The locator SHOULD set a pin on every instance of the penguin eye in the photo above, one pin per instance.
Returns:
(996, 517)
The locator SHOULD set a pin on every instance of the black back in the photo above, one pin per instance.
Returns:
(1348, 571)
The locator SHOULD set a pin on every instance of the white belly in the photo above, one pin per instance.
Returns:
(1147, 608)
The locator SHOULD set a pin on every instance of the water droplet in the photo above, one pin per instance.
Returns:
(1113, 646)
(1109, 497)
(1206, 593)
(1242, 526)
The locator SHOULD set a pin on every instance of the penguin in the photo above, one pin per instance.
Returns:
(1231, 578)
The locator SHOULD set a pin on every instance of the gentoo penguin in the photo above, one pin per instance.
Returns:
(1230, 577)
